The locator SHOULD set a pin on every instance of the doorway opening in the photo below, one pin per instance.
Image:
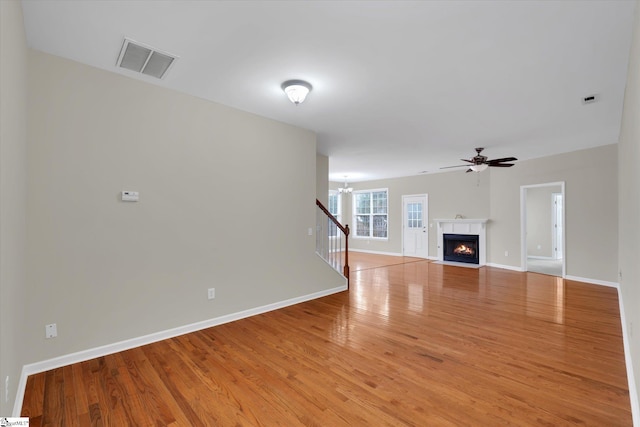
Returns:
(542, 228)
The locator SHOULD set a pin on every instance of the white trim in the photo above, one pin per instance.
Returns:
(365, 251)
(523, 223)
(464, 220)
(593, 281)
(548, 258)
(354, 206)
(425, 221)
(633, 391)
(81, 356)
(378, 239)
(506, 267)
(474, 227)
(546, 184)
(432, 258)
(554, 229)
(459, 264)
(22, 387)
(523, 229)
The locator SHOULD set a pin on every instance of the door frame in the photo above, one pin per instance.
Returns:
(554, 230)
(425, 220)
(523, 223)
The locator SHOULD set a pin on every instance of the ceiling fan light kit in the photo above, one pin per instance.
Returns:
(478, 168)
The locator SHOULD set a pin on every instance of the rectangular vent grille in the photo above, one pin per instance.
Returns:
(143, 59)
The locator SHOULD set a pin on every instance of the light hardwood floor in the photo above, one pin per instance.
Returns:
(412, 343)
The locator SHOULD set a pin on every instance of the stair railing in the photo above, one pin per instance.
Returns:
(332, 240)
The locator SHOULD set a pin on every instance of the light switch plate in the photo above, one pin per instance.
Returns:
(51, 330)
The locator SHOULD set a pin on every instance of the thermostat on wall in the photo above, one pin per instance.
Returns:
(130, 196)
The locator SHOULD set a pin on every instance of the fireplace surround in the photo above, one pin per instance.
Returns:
(461, 248)
(465, 228)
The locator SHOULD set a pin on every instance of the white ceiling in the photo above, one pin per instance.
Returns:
(398, 87)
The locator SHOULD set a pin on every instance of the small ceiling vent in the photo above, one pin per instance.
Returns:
(143, 59)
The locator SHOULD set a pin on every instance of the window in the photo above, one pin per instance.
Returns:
(370, 213)
(414, 215)
(334, 204)
(335, 208)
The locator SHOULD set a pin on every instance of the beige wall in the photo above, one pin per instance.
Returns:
(13, 189)
(449, 194)
(539, 221)
(590, 204)
(211, 183)
(591, 220)
(322, 178)
(629, 208)
(107, 271)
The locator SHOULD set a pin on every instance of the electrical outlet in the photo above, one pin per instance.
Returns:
(506, 253)
(51, 331)
(211, 293)
(6, 389)
(539, 247)
(310, 231)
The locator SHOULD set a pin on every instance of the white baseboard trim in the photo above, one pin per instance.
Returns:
(593, 281)
(633, 391)
(459, 264)
(375, 252)
(506, 267)
(548, 258)
(365, 251)
(81, 356)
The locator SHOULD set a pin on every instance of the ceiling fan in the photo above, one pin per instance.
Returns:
(480, 162)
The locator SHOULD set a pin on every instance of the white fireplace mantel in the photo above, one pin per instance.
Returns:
(463, 221)
(464, 226)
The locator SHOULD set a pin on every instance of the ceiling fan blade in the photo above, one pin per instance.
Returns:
(501, 165)
(468, 170)
(457, 166)
(466, 160)
(505, 159)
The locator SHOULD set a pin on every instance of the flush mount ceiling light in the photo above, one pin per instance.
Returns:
(296, 90)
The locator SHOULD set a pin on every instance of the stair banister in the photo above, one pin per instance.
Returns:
(331, 250)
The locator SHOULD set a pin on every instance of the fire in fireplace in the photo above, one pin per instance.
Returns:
(461, 248)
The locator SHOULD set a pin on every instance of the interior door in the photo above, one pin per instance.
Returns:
(415, 236)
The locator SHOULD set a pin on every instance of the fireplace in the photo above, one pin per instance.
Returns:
(461, 248)
(464, 229)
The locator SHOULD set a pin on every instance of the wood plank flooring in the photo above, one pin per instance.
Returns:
(412, 343)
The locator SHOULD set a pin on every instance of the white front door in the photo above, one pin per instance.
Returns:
(415, 236)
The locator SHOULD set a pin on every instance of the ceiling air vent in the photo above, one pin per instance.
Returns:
(143, 59)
